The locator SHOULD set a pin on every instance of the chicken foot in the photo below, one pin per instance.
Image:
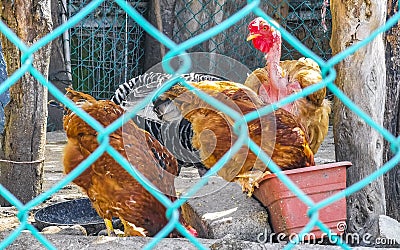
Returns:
(249, 180)
(129, 229)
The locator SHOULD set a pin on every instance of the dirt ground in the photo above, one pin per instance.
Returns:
(53, 172)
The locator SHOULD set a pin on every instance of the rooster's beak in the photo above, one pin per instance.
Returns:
(252, 36)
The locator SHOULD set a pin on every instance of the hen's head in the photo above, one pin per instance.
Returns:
(263, 35)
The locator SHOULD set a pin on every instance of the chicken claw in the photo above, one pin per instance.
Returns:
(249, 180)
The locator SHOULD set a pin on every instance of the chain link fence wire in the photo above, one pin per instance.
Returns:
(106, 47)
(175, 49)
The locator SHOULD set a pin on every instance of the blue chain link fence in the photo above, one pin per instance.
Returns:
(176, 49)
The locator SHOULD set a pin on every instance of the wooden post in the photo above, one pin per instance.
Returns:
(23, 141)
(392, 111)
(362, 78)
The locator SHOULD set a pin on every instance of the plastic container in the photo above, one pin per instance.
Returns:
(288, 214)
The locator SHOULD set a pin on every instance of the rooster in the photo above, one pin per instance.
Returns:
(111, 189)
(279, 79)
(278, 134)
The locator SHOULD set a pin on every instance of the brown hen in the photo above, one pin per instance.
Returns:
(279, 79)
(278, 134)
(111, 189)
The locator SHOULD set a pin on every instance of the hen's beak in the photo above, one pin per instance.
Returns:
(252, 36)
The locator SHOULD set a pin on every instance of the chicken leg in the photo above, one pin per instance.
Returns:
(110, 228)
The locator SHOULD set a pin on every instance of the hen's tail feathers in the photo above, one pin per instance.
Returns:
(78, 97)
(139, 87)
(74, 95)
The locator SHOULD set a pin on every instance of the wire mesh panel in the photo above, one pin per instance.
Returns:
(106, 48)
(300, 18)
(304, 19)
